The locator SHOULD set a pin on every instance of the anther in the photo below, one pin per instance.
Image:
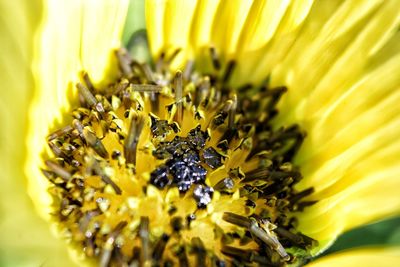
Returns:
(109, 245)
(147, 72)
(90, 98)
(225, 184)
(93, 141)
(243, 255)
(124, 62)
(59, 133)
(214, 59)
(173, 55)
(236, 219)
(228, 71)
(132, 139)
(200, 251)
(99, 171)
(178, 86)
(232, 112)
(57, 151)
(58, 170)
(302, 194)
(88, 82)
(144, 70)
(269, 239)
(160, 63)
(145, 241)
(79, 127)
(160, 247)
(150, 88)
(188, 70)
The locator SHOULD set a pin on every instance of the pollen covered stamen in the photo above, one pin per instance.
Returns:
(175, 168)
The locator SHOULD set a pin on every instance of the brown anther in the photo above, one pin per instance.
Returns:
(178, 87)
(132, 139)
(144, 239)
(99, 171)
(232, 112)
(109, 245)
(173, 55)
(242, 254)
(214, 59)
(88, 82)
(87, 95)
(93, 141)
(150, 88)
(188, 70)
(200, 251)
(90, 99)
(58, 170)
(57, 151)
(124, 62)
(59, 133)
(148, 73)
(269, 239)
(160, 247)
(302, 194)
(228, 71)
(160, 63)
(236, 219)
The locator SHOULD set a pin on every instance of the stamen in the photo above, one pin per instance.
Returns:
(132, 139)
(269, 239)
(224, 185)
(200, 251)
(92, 140)
(147, 72)
(228, 71)
(124, 62)
(151, 88)
(145, 242)
(214, 58)
(160, 247)
(79, 127)
(173, 56)
(236, 219)
(58, 170)
(109, 245)
(88, 82)
(188, 70)
(182, 257)
(232, 111)
(59, 133)
(160, 63)
(89, 98)
(178, 96)
(263, 234)
(99, 171)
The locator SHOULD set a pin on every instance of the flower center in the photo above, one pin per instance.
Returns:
(163, 168)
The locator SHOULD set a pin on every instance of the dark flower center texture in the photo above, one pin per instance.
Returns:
(163, 168)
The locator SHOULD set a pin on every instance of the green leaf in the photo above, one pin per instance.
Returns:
(385, 232)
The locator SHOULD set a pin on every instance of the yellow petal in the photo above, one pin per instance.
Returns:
(367, 257)
(70, 37)
(345, 96)
(244, 31)
(26, 239)
(171, 22)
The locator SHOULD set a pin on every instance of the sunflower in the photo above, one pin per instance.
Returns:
(337, 60)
